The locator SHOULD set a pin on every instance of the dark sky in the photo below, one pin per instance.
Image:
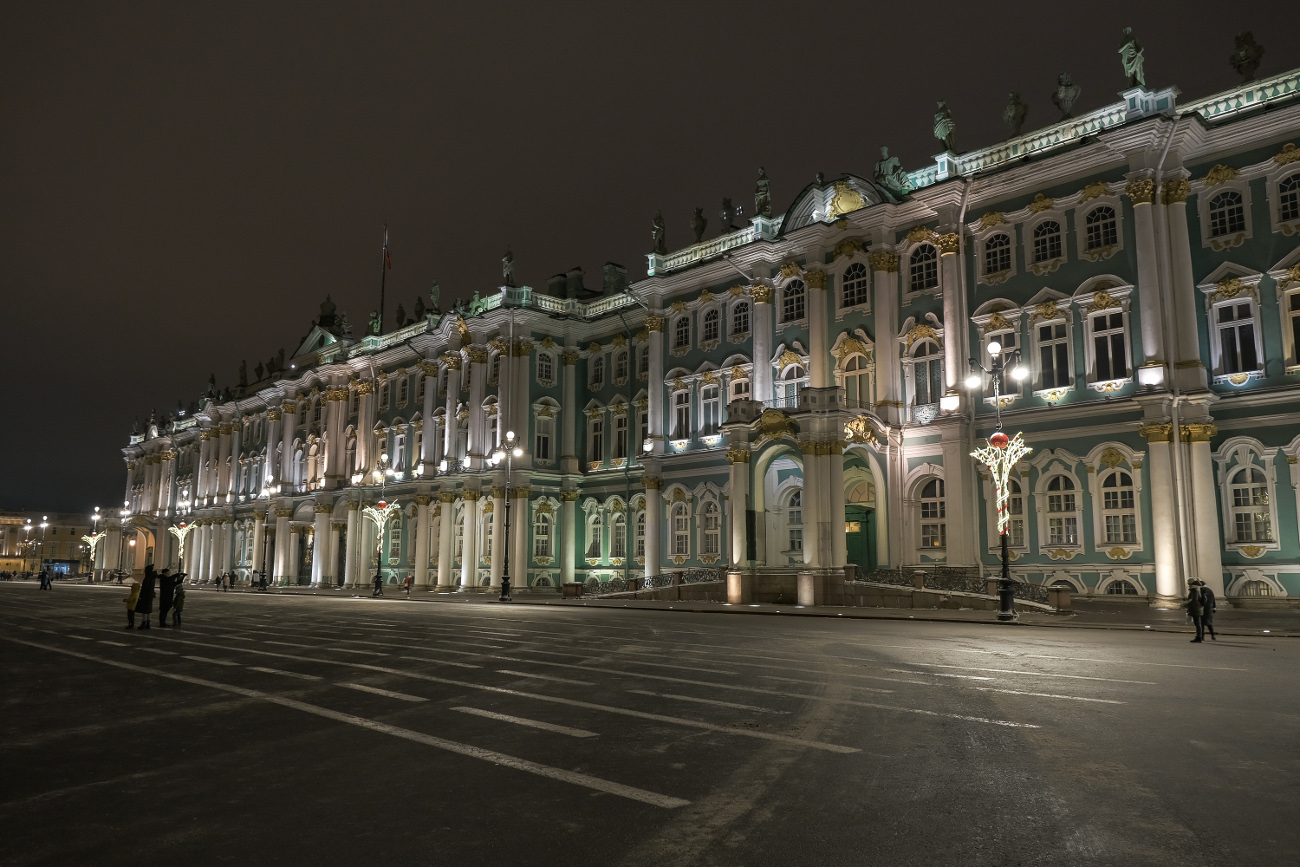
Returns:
(181, 184)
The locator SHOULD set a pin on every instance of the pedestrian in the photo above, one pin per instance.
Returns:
(44, 579)
(147, 592)
(379, 584)
(166, 594)
(1195, 609)
(406, 585)
(130, 601)
(179, 602)
(1208, 604)
(225, 582)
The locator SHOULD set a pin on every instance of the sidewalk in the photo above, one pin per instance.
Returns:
(1087, 614)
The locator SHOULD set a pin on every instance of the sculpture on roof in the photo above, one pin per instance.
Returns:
(257, 371)
(508, 268)
(763, 195)
(659, 243)
(376, 324)
(243, 373)
(212, 386)
(345, 327)
(698, 224)
(889, 173)
(1130, 54)
(820, 179)
(419, 308)
(400, 315)
(728, 216)
(475, 305)
(279, 359)
(1246, 55)
(1015, 113)
(1066, 94)
(435, 297)
(945, 128)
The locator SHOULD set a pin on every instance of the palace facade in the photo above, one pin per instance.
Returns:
(792, 396)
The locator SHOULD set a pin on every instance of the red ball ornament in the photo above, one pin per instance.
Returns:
(381, 504)
(999, 440)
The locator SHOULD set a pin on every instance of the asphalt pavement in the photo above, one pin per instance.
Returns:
(341, 729)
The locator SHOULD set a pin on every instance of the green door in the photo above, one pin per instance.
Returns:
(860, 534)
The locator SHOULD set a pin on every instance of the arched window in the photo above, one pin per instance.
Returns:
(595, 528)
(544, 428)
(682, 415)
(1121, 587)
(1062, 512)
(710, 411)
(485, 539)
(997, 254)
(1251, 518)
(302, 413)
(598, 372)
(1047, 241)
(740, 318)
(494, 374)
(620, 366)
(383, 395)
(710, 529)
(1227, 215)
(927, 373)
(545, 367)
(934, 514)
(857, 385)
(442, 382)
(620, 435)
(791, 380)
(740, 387)
(1255, 588)
(316, 411)
(596, 439)
(460, 533)
(618, 536)
(681, 524)
(419, 387)
(1288, 198)
(712, 325)
(1102, 228)
(403, 390)
(1118, 508)
(640, 536)
(856, 285)
(794, 522)
(792, 301)
(682, 332)
(923, 270)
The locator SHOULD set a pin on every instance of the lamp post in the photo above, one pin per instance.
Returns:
(508, 454)
(380, 513)
(1000, 456)
(45, 522)
(27, 544)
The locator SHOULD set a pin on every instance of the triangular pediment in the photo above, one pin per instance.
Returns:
(316, 340)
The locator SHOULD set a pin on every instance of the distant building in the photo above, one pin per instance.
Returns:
(808, 369)
(59, 547)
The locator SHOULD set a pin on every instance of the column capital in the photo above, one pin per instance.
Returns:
(1156, 433)
(423, 499)
(470, 494)
(761, 294)
(284, 513)
(353, 505)
(948, 243)
(738, 455)
(1199, 432)
(655, 323)
(1175, 192)
(452, 360)
(569, 496)
(816, 279)
(447, 496)
(1142, 191)
(498, 492)
(652, 483)
(883, 261)
(477, 355)
(322, 509)
(272, 415)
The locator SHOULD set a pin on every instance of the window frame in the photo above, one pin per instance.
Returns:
(1053, 469)
(844, 281)
(679, 534)
(993, 278)
(1217, 298)
(682, 428)
(1205, 195)
(1289, 172)
(735, 335)
(545, 368)
(1037, 343)
(1080, 228)
(709, 538)
(788, 304)
(707, 342)
(1235, 455)
(595, 437)
(716, 401)
(926, 524)
(911, 361)
(912, 264)
(681, 335)
(1117, 300)
(544, 519)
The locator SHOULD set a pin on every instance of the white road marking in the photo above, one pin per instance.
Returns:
(531, 723)
(583, 780)
(544, 677)
(938, 673)
(706, 701)
(388, 692)
(469, 643)
(1048, 695)
(442, 662)
(235, 638)
(80, 637)
(1130, 662)
(1034, 673)
(114, 643)
(347, 650)
(287, 643)
(213, 661)
(156, 650)
(283, 672)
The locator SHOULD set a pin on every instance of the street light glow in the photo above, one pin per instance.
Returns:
(1019, 372)
(994, 347)
(973, 381)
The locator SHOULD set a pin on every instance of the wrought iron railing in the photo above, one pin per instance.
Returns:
(595, 586)
(951, 579)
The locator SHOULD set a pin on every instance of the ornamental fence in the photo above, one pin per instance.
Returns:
(952, 579)
(595, 586)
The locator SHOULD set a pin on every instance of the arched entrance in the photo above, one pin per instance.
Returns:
(860, 518)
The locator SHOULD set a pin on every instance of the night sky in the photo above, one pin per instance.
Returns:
(182, 184)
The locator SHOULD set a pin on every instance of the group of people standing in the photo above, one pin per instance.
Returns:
(169, 589)
(1200, 607)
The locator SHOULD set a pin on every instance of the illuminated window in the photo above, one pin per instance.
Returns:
(682, 415)
(1227, 214)
(1102, 227)
(927, 373)
(794, 522)
(620, 366)
(1054, 355)
(709, 410)
(1118, 508)
(1237, 347)
(598, 373)
(618, 536)
(792, 301)
(856, 285)
(1251, 518)
(711, 529)
(1109, 345)
(620, 436)
(640, 536)
(1121, 587)
(541, 535)
(997, 254)
(934, 513)
(1062, 512)
(545, 368)
(857, 383)
(681, 524)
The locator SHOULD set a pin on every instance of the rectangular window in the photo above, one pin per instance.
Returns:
(395, 543)
(542, 537)
(1293, 310)
(709, 410)
(1010, 342)
(929, 381)
(1121, 528)
(618, 539)
(1237, 338)
(682, 415)
(640, 536)
(1110, 348)
(1054, 355)
(1063, 531)
(542, 446)
(644, 435)
(545, 367)
(620, 437)
(620, 367)
(596, 451)
(681, 532)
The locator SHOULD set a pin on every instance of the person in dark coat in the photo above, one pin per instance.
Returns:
(1195, 609)
(178, 604)
(147, 592)
(379, 584)
(166, 596)
(1208, 604)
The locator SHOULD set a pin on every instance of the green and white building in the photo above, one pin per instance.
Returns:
(809, 370)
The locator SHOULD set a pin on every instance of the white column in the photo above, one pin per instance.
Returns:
(194, 547)
(569, 412)
(227, 543)
(835, 493)
(332, 565)
(654, 519)
(498, 533)
(954, 323)
(353, 551)
(288, 430)
(889, 376)
(569, 538)
(739, 459)
(1205, 508)
(762, 331)
(336, 415)
(422, 529)
(519, 396)
(1169, 583)
(111, 546)
(453, 362)
(446, 540)
(478, 445)
(282, 544)
(259, 534)
(469, 550)
(959, 493)
(1142, 191)
(655, 388)
(813, 507)
(1189, 368)
(320, 547)
(272, 468)
(520, 518)
(295, 534)
(429, 438)
(819, 376)
(224, 432)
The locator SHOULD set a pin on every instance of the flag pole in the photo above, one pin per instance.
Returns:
(384, 265)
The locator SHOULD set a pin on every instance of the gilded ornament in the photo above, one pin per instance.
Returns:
(788, 358)
(273, 414)
(774, 424)
(1292, 275)
(546, 412)
(997, 322)
(654, 323)
(1220, 174)
(846, 200)
(594, 348)
(883, 261)
(706, 296)
(1041, 203)
(990, 219)
(677, 306)
(918, 234)
(452, 361)
(816, 279)
(1199, 432)
(1156, 433)
(1252, 551)
(948, 244)
(642, 336)
(1061, 554)
(679, 495)
(738, 455)
(499, 344)
(571, 496)
(1289, 154)
(619, 340)
(1231, 287)
(709, 377)
(547, 343)
(618, 408)
(320, 509)
(678, 385)
(353, 505)
(1102, 300)
(1176, 191)
(642, 403)
(736, 291)
(851, 346)
(1046, 310)
(849, 247)
(790, 268)
(1111, 457)
(569, 356)
(737, 372)
(544, 509)
(470, 494)
(443, 496)
(1118, 553)
(1108, 386)
(1142, 191)
(918, 332)
(595, 412)
(761, 294)
(1054, 394)
(1239, 378)
(523, 348)
(1094, 190)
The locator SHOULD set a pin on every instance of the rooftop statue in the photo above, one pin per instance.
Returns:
(1015, 113)
(728, 216)
(345, 327)
(698, 224)
(820, 179)
(888, 173)
(763, 195)
(435, 297)
(419, 308)
(243, 372)
(1065, 95)
(475, 305)
(1246, 55)
(945, 128)
(257, 371)
(1130, 54)
(400, 315)
(657, 239)
(279, 359)
(508, 268)
(376, 324)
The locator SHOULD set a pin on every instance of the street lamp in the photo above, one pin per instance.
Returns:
(508, 454)
(1000, 456)
(381, 512)
(45, 522)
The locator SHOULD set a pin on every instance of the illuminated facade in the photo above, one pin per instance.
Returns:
(809, 369)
